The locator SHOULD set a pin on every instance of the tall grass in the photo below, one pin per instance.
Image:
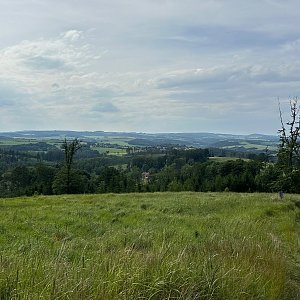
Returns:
(150, 246)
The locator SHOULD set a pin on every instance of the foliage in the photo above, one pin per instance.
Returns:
(71, 182)
(70, 148)
(169, 168)
(173, 171)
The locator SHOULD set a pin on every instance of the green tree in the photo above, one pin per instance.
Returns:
(69, 148)
(44, 176)
(74, 182)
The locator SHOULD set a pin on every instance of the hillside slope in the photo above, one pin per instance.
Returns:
(150, 246)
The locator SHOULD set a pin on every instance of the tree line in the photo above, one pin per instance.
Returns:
(78, 169)
(175, 170)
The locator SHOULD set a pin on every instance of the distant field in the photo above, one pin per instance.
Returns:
(24, 141)
(150, 246)
(112, 151)
(13, 142)
(249, 145)
(261, 147)
(223, 159)
(121, 141)
(145, 140)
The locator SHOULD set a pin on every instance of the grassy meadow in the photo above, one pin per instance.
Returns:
(150, 246)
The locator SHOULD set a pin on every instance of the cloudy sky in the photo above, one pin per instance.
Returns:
(148, 65)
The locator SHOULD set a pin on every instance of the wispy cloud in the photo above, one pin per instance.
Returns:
(147, 65)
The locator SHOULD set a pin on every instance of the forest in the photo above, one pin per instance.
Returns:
(150, 170)
(75, 167)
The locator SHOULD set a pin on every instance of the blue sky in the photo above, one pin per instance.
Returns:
(148, 65)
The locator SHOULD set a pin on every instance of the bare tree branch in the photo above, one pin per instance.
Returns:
(290, 148)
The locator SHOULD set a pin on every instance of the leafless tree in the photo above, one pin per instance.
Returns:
(289, 148)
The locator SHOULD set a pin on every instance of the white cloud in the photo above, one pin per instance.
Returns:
(180, 65)
(72, 35)
(37, 65)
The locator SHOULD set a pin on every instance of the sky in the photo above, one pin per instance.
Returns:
(148, 65)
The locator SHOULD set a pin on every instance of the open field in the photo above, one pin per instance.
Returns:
(250, 145)
(121, 141)
(109, 150)
(150, 246)
(223, 159)
(262, 147)
(23, 141)
(14, 142)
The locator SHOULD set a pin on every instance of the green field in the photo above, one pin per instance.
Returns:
(109, 150)
(150, 246)
(120, 141)
(224, 159)
(17, 141)
(117, 140)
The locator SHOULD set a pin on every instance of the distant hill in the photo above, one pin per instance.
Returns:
(202, 139)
